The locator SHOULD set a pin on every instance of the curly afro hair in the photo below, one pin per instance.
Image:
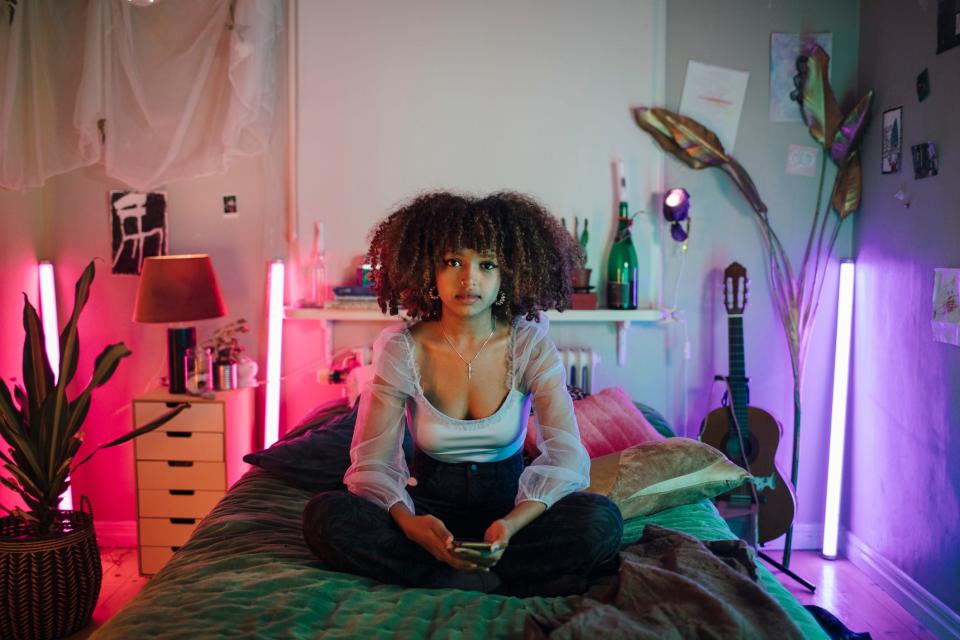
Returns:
(537, 257)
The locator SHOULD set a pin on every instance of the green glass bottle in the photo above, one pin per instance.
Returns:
(622, 266)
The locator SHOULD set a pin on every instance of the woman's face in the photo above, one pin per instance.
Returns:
(468, 282)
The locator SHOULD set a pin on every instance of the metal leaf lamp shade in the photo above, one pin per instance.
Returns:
(174, 290)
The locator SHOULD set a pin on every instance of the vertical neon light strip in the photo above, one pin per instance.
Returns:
(271, 426)
(51, 337)
(838, 419)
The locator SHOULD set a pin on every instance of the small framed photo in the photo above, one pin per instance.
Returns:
(925, 162)
(891, 147)
(230, 205)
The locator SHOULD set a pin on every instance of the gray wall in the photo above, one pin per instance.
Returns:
(736, 34)
(903, 484)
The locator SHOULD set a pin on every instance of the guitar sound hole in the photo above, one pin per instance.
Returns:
(750, 445)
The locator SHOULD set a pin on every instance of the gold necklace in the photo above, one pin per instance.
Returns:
(470, 362)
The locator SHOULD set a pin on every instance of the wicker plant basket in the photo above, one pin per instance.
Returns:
(48, 585)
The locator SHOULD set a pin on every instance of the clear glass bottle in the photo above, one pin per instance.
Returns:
(317, 268)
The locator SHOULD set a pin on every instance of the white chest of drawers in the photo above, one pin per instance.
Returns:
(185, 467)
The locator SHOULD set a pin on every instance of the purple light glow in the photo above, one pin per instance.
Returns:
(838, 420)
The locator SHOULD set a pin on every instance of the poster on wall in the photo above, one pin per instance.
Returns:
(891, 152)
(946, 306)
(948, 24)
(713, 96)
(784, 49)
(139, 229)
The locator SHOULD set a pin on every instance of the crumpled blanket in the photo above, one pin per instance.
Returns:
(672, 585)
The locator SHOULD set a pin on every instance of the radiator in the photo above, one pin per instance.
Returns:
(580, 364)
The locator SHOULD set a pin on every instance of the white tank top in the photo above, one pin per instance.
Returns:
(490, 439)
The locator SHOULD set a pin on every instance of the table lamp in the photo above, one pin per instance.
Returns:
(177, 290)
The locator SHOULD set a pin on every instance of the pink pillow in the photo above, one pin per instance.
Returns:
(609, 422)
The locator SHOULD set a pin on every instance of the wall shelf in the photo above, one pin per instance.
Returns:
(623, 319)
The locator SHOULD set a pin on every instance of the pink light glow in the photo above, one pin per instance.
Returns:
(838, 420)
(271, 426)
(48, 313)
(51, 337)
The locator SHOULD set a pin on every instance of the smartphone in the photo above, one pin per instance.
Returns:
(473, 545)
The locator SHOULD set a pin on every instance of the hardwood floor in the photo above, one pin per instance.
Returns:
(841, 589)
(844, 591)
(121, 582)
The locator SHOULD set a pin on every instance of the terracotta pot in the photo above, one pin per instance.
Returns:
(580, 280)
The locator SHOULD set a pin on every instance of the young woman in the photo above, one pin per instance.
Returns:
(474, 273)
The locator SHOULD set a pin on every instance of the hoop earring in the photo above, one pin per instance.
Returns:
(501, 299)
(433, 294)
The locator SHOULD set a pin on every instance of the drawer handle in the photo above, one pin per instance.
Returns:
(179, 434)
(174, 405)
(179, 463)
(181, 492)
(174, 549)
(183, 520)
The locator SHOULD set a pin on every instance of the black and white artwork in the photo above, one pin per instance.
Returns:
(139, 228)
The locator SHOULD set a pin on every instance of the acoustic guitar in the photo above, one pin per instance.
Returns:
(760, 432)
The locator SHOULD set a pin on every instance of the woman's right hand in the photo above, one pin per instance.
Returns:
(430, 533)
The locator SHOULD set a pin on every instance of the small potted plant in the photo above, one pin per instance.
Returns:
(227, 353)
(50, 570)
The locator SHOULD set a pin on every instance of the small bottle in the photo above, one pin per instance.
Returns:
(622, 265)
(317, 276)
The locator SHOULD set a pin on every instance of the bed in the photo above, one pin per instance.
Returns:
(246, 572)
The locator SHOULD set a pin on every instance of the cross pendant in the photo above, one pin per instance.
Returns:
(469, 371)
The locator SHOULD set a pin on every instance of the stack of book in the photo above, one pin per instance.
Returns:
(352, 297)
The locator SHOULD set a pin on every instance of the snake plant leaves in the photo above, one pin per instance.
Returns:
(817, 102)
(847, 187)
(37, 374)
(851, 130)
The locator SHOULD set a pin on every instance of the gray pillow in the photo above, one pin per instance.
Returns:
(316, 454)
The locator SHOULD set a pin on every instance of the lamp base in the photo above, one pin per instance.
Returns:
(178, 341)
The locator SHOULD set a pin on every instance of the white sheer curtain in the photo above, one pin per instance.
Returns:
(159, 93)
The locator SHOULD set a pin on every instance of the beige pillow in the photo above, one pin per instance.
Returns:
(654, 476)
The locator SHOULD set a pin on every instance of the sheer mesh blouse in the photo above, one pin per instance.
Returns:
(378, 471)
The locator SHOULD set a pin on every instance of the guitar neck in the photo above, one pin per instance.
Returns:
(738, 375)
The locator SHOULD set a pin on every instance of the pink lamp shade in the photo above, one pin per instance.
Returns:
(178, 289)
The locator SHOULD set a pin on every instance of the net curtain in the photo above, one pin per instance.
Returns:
(157, 92)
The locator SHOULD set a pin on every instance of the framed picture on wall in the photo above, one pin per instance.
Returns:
(138, 223)
(891, 147)
(948, 24)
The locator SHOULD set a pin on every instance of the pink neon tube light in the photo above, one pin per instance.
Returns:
(51, 337)
(271, 426)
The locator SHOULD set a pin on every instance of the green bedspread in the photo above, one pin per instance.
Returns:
(246, 573)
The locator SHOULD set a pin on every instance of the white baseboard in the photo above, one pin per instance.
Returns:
(925, 607)
(116, 533)
(806, 536)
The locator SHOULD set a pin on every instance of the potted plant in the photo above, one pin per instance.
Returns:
(227, 353)
(49, 561)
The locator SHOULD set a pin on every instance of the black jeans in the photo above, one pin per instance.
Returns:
(578, 536)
